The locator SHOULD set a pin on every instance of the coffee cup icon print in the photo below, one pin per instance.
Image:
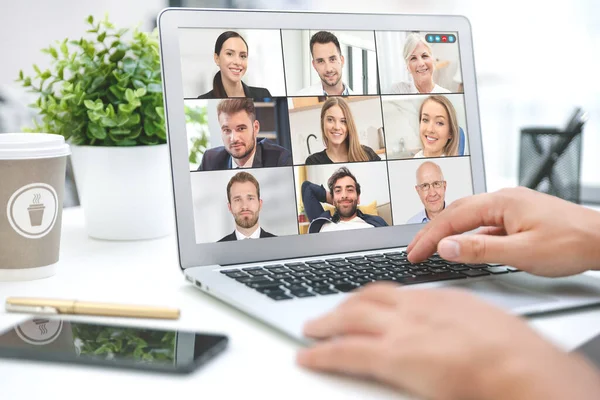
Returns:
(36, 210)
(32, 210)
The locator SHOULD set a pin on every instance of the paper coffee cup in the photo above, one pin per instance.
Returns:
(32, 181)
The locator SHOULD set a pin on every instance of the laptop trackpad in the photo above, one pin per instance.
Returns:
(504, 295)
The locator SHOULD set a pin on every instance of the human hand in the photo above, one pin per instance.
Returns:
(532, 231)
(443, 344)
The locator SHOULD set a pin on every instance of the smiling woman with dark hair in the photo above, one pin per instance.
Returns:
(231, 56)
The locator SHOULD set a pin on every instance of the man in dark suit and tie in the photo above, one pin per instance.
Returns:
(244, 203)
(241, 149)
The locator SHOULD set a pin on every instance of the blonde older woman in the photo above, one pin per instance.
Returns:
(421, 65)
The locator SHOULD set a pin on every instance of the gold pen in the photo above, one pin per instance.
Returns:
(55, 306)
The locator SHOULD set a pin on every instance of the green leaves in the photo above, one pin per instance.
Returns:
(101, 89)
(119, 343)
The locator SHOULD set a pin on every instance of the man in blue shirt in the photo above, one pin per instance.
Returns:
(431, 188)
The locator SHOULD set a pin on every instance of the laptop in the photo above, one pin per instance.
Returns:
(259, 107)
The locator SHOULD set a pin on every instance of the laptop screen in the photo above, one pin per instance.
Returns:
(300, 132)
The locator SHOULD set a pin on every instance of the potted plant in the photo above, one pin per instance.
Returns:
(103, 93)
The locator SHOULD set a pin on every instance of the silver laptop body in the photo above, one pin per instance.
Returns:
(202, 261)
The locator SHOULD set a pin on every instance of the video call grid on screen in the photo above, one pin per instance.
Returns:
(379, 101)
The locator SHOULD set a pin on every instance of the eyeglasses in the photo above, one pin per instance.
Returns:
(424, 187)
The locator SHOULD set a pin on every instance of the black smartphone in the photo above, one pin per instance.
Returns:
(63, 340)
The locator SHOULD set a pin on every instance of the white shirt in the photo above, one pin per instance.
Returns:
(409, 87)
(421, 155)
(318, 90)
(248, 164)
(354, 223)
(241, 236)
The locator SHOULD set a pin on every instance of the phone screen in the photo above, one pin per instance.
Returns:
(61, 340)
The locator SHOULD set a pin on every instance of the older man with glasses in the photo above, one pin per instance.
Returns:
(431, 188)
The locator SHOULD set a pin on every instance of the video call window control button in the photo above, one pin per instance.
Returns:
(474, 273)
(496, 270)
(431, 278)
(279, 296)
(302, 293)
(324, 291)
(229, 271)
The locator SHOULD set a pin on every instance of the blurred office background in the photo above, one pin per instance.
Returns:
(535, 60)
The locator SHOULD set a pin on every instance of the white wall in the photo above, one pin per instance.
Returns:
(27, 26)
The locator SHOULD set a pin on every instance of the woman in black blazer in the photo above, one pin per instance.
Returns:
(231, 56)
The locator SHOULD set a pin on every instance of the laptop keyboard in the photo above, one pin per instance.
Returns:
(334, 275)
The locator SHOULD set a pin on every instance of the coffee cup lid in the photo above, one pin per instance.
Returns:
(16, 146)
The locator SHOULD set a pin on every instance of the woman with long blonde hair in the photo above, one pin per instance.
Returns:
(340, 136)
(438, 128)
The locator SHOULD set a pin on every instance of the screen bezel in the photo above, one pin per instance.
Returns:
(192, 254)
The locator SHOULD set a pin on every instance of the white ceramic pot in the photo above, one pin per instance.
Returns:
(125, 192)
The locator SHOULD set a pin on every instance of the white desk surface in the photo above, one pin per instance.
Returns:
(259, 362)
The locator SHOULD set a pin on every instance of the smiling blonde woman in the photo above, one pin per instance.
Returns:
(438, 128)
